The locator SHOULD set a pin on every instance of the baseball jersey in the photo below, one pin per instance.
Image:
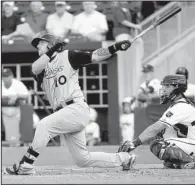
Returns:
(59, 80)
(126, 121)
(180, 118)
(17, 87)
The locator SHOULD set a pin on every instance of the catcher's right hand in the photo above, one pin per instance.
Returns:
(127, 146)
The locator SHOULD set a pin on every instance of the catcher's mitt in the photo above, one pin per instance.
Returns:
(127, 146)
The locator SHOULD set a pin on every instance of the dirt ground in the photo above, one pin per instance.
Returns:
(56, 166)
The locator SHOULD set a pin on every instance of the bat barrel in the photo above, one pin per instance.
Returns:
(173, 11)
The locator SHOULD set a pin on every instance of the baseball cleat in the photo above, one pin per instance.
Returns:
(21, 169)
(190, 165)
(170, 165)
(130, 164)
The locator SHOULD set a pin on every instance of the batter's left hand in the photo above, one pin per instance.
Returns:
(123, 45)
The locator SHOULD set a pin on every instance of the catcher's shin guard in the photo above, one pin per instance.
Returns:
(171, 152)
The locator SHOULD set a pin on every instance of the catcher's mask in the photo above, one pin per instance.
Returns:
(51, 39)
(172, 86)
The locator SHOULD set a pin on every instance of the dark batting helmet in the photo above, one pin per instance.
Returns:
(180, 85)
(51, 39)
(182, 71)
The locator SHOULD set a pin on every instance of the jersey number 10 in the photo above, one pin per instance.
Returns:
(60, 81)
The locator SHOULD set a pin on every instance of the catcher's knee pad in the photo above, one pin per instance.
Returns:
(158, 148)
(171, 152)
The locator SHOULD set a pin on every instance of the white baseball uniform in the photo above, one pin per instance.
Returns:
(11, 114)
(60, 82)
(180, 119)
(127, 127)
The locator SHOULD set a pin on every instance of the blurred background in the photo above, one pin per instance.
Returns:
(122, 91)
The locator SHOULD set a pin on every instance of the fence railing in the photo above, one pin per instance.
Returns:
(160, 37)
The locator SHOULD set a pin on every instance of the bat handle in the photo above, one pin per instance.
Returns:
(142, 33)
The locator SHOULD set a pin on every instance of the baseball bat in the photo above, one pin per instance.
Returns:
(173, 11)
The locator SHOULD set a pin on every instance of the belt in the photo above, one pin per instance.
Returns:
(67, 103)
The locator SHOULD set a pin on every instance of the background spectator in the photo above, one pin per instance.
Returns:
(190, 92)
(148, 8)
(122, 19)
(90, 23)
(10, 20)
(60, 22)
(149, 89)
(127, 119)
(14, 92)
(93, 129)
(36, 18)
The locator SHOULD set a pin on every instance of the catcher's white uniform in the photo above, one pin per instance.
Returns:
(127, 127)
(180, 119)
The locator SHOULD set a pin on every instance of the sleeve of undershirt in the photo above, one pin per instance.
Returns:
(78, 58)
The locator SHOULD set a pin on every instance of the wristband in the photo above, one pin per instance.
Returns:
(112, 49)
(137, 142)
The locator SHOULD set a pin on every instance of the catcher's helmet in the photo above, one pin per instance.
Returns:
(179, 83)
(182, 71)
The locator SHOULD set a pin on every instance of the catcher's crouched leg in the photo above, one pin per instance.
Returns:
(170, 153)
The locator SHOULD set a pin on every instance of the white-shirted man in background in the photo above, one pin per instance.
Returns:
(90, 23)
(59, 23)
(149, 89)
(127, 119)
(14, 92)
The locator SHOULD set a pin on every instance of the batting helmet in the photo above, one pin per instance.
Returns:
(51, 39)
(182, 71)
(180, 85)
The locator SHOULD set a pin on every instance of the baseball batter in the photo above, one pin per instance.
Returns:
(175, 130)
(57, 71)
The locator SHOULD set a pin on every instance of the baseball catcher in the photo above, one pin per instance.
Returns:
(174, 132)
